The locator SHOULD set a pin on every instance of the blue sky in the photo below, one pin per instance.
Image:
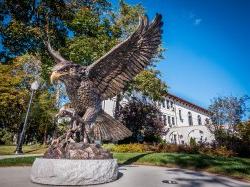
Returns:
(208, 47)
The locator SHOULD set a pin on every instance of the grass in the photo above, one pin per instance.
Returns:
(30, 149)
(234, 167)
(21, 161)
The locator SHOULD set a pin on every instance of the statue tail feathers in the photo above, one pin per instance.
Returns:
(109, 129)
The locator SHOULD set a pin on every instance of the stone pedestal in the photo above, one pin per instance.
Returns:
(73, 172)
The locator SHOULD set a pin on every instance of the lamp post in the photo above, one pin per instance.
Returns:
(34, 87)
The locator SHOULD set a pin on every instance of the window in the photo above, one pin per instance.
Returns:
(159, 104)
(199, 120)
(163, 104)
(103, 105)
(190, 119)
(207, 121)
(180, 115)
(169, 121)
(171, 104)
(160, 117)
(175, 139)
(167, 104)
(173, 121)
(164, 119)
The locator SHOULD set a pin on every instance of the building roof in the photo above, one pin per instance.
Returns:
(187, 103)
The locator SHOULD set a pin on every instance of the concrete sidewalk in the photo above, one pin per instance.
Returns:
(134, 176)
(17, 156)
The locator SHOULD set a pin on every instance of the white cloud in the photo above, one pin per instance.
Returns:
(197, 21)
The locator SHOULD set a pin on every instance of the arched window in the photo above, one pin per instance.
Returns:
(190, 119)
(174, 137)
(199, 120)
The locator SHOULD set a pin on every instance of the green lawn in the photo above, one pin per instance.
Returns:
(21, 161)
(31, 149)
(234, 167)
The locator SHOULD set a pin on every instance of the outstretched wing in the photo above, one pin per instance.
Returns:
(121, 64)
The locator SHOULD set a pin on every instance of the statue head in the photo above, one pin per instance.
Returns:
(64, 70)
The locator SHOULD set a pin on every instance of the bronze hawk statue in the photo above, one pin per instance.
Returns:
(88, 86)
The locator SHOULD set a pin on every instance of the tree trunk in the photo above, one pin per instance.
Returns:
(45, 135)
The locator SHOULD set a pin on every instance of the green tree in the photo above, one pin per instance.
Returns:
(13, 98)
(228, 110)
(94, 35)
(14, 86)
(42, 117)
(149, 84)
(23, 25)
(227, 125)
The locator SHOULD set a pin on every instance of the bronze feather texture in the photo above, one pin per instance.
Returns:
(88, 86)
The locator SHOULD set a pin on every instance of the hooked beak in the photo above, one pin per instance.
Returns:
(55, 76)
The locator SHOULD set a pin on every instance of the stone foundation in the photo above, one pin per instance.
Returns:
(73, 172)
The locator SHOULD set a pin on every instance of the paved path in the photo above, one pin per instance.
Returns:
(16, 156)
(133, 176)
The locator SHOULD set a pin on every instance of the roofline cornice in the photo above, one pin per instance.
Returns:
(185, 102)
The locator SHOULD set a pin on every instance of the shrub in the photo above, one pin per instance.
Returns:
(165, 148)
(160, 148)
(142, 119)
(219, 151)
(223, 151)
(242, 147)
(109, 146)
(237, 141)
(174, 148)
(6, 137)
(170, 148)
(193, 142)
(130, 148)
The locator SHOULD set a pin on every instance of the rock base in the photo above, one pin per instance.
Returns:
(73, 172)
